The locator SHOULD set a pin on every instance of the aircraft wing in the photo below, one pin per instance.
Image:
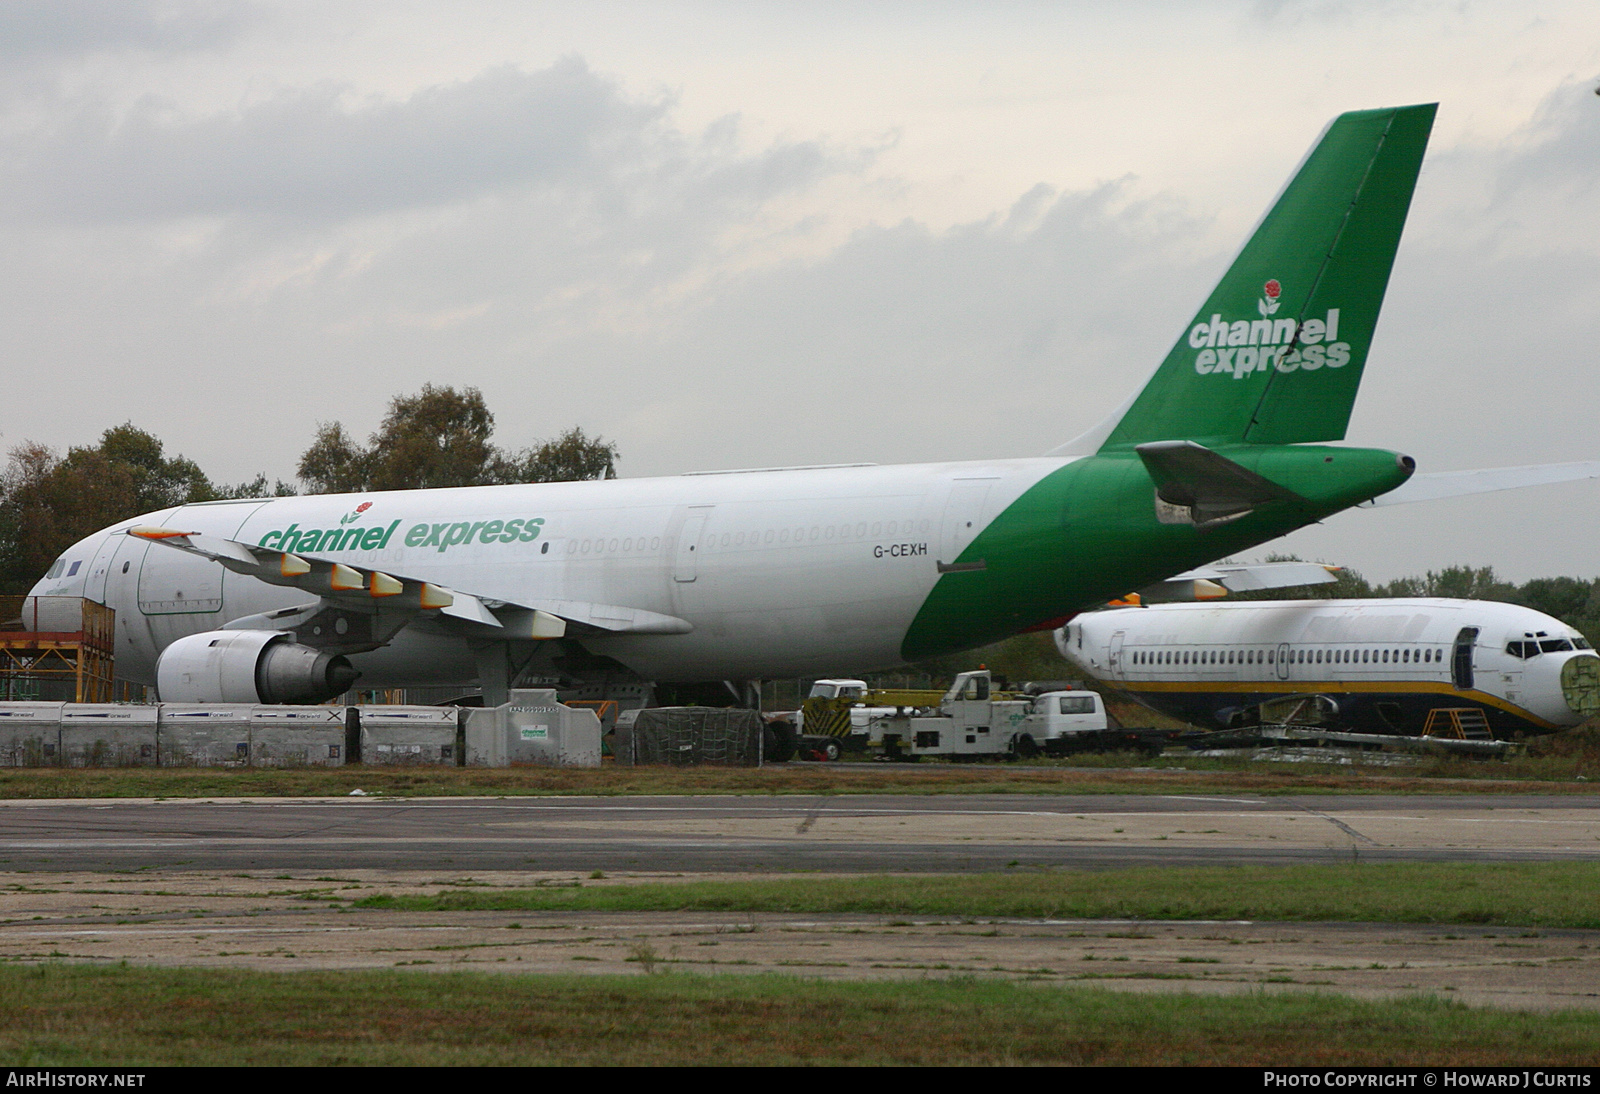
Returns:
(342, 588)
(1453, 484)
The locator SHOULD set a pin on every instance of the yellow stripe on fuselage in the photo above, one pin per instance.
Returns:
(1332, 687)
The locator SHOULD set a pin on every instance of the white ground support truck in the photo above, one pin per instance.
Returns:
(970, 724)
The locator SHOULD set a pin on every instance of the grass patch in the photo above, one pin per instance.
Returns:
(1092, 775)
(55, 1015)
(1524, 894)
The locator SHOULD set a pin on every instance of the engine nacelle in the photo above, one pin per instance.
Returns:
(250, 667)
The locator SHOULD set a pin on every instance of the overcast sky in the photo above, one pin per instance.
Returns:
(747, 234)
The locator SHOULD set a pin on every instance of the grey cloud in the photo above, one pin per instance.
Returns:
(1559, 148)
(52, 29)
(1000, 337)
(312, 157)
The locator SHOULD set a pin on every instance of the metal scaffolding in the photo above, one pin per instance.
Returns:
(57, 648)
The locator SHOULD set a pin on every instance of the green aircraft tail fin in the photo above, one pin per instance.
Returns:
(1275, 355)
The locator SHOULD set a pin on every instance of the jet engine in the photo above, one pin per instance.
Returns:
(250, 667)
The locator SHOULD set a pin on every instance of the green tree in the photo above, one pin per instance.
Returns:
(1456, 582)
(571, 457)
(441, 437)
(1565, 598)
(434, 439)
(334, 464)
(49, 502)
(1572, 600)
(255, 488)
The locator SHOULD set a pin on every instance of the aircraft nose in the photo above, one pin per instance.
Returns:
(1580, 684)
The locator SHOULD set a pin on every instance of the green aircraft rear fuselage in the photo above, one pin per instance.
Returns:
(1089, 533)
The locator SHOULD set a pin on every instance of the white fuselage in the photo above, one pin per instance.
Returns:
(1208, 659)
(778, 573)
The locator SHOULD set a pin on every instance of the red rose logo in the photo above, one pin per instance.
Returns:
(364, 506)
(1272, 289)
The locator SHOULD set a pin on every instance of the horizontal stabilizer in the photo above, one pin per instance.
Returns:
(1455, 484)
(1249, 577)
(1218, 580)
(1202, 488)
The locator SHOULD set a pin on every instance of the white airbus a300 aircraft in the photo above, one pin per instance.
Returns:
(760, 574)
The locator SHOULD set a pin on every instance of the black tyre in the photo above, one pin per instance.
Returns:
(1025, 747)
(830, 751)
(778, 742)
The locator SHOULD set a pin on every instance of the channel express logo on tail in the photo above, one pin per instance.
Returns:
(1239, 347)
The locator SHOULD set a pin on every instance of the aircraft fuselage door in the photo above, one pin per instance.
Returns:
(686, 564)
(1114, 655)
(1283, 660)
(174, 583)
(94, 588)
(177, 583)
(963, 516)
(1461, 658)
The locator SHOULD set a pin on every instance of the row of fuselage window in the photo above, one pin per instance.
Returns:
(781, 537)
(1403, 656)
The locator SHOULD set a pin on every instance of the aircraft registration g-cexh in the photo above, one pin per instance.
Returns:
(790, 572)
(1373, 666)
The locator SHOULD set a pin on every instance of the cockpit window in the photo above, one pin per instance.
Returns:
(55, 570)
(1522, 649)
(1581, 644)
(74, 569)
(1554, 645)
